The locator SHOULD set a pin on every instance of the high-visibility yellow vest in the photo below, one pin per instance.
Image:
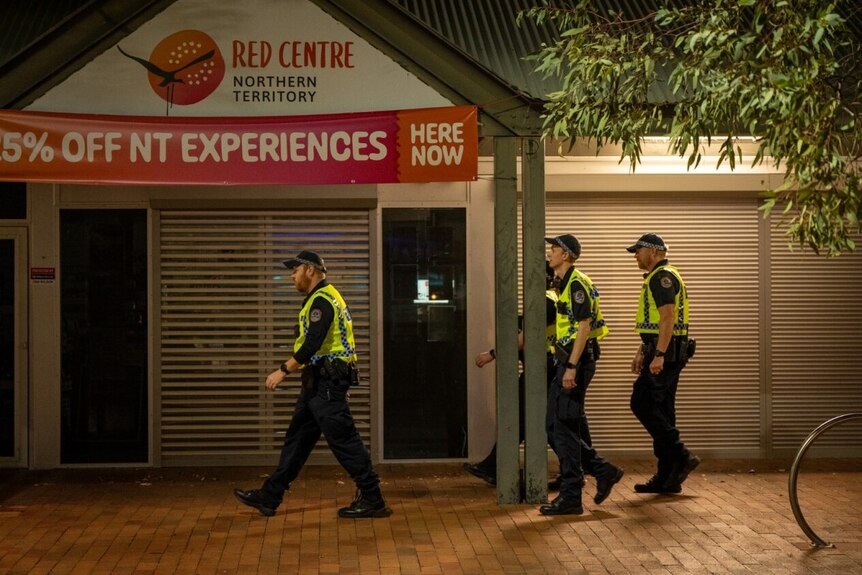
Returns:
(648, 317)
(567, 326)
(339, 342)
(551, 330)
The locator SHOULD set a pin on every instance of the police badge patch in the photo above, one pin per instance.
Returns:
(315, 315)
(580, 296)
(665, 282)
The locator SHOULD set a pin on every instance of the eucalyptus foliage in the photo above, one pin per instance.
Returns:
(786, 73)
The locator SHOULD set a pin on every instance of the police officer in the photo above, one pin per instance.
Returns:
(580, 326)
(325, 351)
(486, 469)
(662, 322)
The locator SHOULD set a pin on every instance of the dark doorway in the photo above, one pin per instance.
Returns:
(425, 320)
(7, 347)
(103, 255)
(14, 204)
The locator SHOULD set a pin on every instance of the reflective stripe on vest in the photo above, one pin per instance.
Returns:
(338, 343)
(647, 318)
(567, 327)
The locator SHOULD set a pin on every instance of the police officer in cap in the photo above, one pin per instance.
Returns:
(662, 322)
(580, 326)
(325, 351)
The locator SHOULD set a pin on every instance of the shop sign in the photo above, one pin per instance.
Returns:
(42, 275)
(250, 58)
(419, 145)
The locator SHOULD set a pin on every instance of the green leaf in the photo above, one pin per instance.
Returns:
(707, 71)
(818, 36)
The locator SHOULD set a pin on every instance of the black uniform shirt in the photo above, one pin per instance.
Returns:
(320, 317)
(579, 298)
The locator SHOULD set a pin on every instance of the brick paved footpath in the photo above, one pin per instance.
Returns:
(733, 517)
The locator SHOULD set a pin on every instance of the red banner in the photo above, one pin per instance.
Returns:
(423, 145)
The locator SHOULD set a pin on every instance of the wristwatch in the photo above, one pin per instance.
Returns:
(659, 353)
(569, 365)
(283, 367)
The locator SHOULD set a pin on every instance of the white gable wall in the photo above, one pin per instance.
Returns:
(255, 39)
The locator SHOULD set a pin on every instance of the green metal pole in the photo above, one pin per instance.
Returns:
(506, 317)
(535, 396)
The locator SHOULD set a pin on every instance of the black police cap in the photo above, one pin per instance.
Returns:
(305, 257)
(568, 242)
(649, 240)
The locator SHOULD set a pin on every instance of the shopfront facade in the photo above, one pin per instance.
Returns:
(146, 315)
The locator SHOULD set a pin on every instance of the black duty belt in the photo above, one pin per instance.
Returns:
(334, 369)
(680, 348)
(591, 352)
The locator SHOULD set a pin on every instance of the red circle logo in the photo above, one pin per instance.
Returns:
(186, 67)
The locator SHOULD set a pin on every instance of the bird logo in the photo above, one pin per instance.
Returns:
(184, 68)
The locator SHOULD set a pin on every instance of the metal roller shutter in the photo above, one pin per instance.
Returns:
(228, 311)
(816, 348)
(714, 240)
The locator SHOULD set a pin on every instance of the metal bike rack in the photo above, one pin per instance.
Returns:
(794, 474)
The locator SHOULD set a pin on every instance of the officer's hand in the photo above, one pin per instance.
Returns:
(637, 362)
(657, 365)
(274, 378)
(569, 379)
(484, 358)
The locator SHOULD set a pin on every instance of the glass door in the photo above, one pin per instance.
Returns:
(13, 347)
(425, 345)
(103, 335)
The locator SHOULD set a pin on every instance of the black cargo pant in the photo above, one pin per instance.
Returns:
(653, 402)
(322, 408)
(567, 423)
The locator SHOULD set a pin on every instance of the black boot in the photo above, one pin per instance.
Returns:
(682, 469)
(366, 504)
(257, 499)
(605, 484)
(478, 471)
(563, 506)
(657, 484)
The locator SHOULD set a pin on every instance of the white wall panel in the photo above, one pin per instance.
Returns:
(816, 346)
